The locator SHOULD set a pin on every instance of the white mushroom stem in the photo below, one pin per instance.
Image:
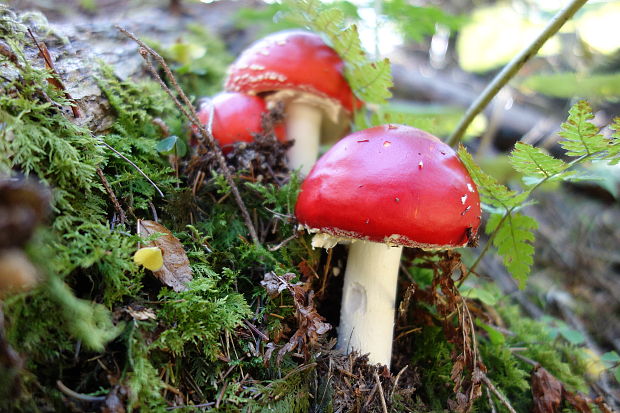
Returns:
(303, 124)
(368, 300)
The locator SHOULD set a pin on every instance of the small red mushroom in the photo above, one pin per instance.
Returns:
(299, 69)
(237, 118)
(381, 189)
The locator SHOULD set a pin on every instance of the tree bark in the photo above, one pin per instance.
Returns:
(77, 47)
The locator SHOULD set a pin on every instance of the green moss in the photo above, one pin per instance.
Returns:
(199, 315)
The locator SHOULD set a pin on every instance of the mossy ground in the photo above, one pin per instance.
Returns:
(108, 330)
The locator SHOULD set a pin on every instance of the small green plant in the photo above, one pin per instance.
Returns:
(510, 231)
(370, 80)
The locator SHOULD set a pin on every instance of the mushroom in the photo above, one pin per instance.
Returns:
(381, 189)
(299, 69)
(237, 118)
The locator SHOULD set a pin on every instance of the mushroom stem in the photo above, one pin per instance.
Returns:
(303, 124)
(369, 296)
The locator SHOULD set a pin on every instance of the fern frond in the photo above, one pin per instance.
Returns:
(581, 136)
(513, 241)
(370, 80)
(533, 162)
(491, 192)
(614, 147)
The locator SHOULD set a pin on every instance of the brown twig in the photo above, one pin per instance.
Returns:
(400, 373)
(381, 394)
(190, 113)
(513, 67)
(491, 403)
(496, 392)
(6, 51)
(253, 328)
(525, 359)
(283, 243)
(79, 396)
(49, 63)
(153, 211)
(191, 406)
(371, 395)
(112, 196)
(134, 165)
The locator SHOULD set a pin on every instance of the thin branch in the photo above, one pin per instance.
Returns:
(112, 196)
(45, 54)
(499, 395)
(491, 403)
(253, 328)
(512, 68)
(190, 113)
(381, 394)
(78, 396)
(400, 373)
(191, 406)
(283, 243)
(134, 165)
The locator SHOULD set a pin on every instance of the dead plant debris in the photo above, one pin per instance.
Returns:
(176, 271)
(310, 324)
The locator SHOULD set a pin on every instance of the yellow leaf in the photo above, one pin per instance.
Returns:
(150, 258)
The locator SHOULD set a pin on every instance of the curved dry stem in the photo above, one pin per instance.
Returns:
(512, 68)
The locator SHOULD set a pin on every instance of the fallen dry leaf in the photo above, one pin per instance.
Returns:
(141, 313)
(310, 324)
(578, 402)
(176, 272)
(547, 391)
(275, 284)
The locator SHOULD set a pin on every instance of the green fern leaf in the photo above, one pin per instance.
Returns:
(581, 137)
(491, 192)
(370, 80)
(614, 147)
(533, 162)
(513, 241)
(365, 78)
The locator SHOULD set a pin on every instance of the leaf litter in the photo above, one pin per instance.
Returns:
(176, 271)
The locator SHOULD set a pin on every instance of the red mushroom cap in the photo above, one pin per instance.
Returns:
(294, 60)
(237, 117)
(393, 184)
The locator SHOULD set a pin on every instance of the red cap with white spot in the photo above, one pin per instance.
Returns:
(393, 184)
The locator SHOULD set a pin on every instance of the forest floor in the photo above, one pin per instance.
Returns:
(574, 289)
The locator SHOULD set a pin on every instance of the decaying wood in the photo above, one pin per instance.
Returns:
(79, 47)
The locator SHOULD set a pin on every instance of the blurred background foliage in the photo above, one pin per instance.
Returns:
(453, 48)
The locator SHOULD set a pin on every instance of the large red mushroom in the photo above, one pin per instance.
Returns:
(299, 69)
(381, 189)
